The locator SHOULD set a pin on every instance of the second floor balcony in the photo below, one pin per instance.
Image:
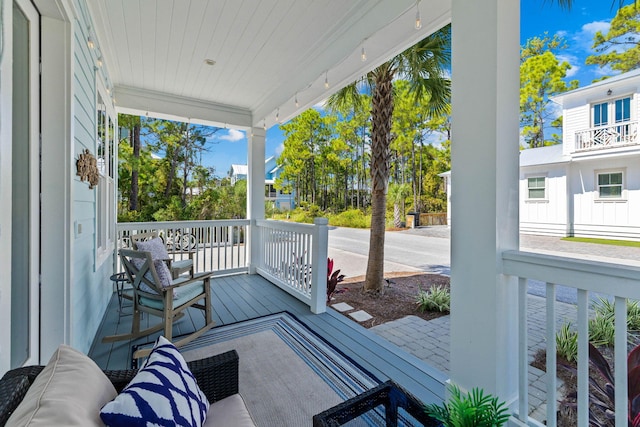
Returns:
(617, 135)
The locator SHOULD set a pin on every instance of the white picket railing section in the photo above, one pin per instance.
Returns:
(619, 282)
(286, 256)
(214, 245)
(620, 134)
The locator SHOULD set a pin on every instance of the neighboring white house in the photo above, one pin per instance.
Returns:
(281, 201)
(588, 186)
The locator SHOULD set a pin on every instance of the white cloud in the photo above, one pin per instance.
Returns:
(573, 62)
(279, 149)
(594, 27)
(232, 135)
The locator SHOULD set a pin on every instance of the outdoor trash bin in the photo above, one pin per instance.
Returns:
(416, 219)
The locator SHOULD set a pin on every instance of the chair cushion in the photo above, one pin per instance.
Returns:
(230, 411)
(184, 294)
(69, 391)
(155, 246)
(164, 275)
(163, 392)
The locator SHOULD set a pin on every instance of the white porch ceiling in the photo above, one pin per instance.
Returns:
(266, 52)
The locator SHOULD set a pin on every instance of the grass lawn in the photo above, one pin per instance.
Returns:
(603, 241)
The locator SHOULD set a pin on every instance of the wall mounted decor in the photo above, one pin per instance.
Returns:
(87, 168)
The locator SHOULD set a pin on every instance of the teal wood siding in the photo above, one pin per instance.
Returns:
(91, 288)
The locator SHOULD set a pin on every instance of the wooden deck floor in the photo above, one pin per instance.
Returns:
(241, 297)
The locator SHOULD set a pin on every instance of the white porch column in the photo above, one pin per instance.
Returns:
(484, 176)
(255, 191)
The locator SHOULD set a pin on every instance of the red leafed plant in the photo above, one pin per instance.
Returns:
(333, 278)
(602, 396)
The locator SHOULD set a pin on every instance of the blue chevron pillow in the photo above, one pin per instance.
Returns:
(163, 393)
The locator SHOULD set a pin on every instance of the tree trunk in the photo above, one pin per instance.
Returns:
(396, 215)
(382, 111)
(133, 195)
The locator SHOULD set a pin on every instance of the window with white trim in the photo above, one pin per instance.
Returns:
(610, 185)
(618, 109)
(105, 140)
(537, 188)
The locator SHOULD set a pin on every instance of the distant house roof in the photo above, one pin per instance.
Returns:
(542, 156)
(239, 170)
(610, 83)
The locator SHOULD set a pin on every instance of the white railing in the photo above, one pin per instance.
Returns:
(619, 282)
(287, 252)
(620, 134)
(213, 245)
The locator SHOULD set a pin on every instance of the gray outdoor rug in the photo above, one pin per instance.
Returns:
(287, 373)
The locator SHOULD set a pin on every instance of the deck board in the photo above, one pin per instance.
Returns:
(242, 297)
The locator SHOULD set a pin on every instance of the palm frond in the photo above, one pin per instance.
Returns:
(345, 99)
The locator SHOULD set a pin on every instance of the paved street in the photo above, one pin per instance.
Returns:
(428, 249)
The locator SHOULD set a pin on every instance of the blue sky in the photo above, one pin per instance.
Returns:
(577, 26)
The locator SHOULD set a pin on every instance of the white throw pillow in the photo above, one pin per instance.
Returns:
(155, 246)
(69, 391)
(164, 392)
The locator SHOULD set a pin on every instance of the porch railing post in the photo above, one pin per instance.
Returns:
(319, 263)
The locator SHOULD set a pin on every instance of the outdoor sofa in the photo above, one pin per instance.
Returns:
(217, 377)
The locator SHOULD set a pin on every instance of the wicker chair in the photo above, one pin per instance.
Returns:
(217, 376)
(149, 296)
(388, 395)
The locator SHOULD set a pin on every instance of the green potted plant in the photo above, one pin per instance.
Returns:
(473, 410)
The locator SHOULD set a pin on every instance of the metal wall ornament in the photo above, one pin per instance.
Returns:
(87, 167)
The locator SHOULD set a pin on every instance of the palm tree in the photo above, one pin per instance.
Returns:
(423, 65)
(398, 193)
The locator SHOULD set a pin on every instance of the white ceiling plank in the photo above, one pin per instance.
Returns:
(164, 15)
(148, 22)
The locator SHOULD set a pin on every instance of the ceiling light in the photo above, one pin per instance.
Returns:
(99, 62)
(326, 80)
(296, 100)
(609, 92)
(210, 62)
(264, 124)
(363, 55)
(90, 42)
(278, 115)
(418, 20)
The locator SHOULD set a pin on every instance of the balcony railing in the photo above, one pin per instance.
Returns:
(213, 245)
(617, 135)
(294, 257)
(617, 282)
(291, 256)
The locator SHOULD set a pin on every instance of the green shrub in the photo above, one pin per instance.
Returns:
(601, 331)
(353, 218)
(474, 409)
(567, 343)
(436, 298)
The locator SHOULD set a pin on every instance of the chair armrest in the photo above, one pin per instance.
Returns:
(12, 391)
(387, 394)
(217, 375)
(200, 276)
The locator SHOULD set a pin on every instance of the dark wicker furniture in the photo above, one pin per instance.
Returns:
(388, 395)
(217, 376)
